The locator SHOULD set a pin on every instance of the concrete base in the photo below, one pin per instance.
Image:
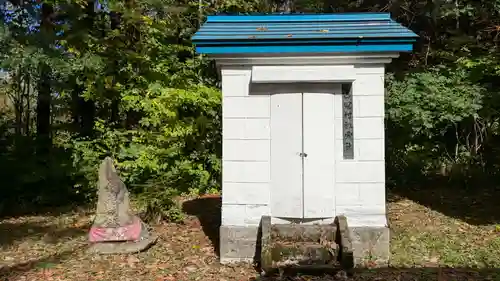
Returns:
(241, 244)
(370, 246)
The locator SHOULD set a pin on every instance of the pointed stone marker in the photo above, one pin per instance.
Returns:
(116, 230)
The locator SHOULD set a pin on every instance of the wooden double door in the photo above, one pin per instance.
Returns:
(303, 152)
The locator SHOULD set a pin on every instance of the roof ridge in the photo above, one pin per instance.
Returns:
(240, 18)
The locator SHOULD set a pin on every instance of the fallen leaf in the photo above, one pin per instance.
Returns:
(132, 260)
(190, 268)
(434, 259)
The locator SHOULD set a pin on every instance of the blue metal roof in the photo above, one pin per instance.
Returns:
(302, 33)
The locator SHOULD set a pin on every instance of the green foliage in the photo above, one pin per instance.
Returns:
(174, 149)
(131, 73)
(429, 104)
(433, 117)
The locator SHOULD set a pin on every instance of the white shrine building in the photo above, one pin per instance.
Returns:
(303, 122)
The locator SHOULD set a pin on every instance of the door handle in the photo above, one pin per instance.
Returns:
(302, 154)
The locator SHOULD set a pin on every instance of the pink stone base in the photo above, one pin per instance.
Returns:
(130, 232)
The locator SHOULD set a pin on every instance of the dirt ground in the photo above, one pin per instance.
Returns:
(426, 245)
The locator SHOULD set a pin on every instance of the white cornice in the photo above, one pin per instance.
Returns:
(312, 59)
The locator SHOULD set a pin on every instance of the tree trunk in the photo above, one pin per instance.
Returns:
(328, 6)
(18, 101)
(285, 6)
(88, 117)
(43, 108)
(84, 110)
(44, 88)
(115, 100)
(83, 113)
(27, 95)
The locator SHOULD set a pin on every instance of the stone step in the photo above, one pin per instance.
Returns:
(305, 246)
(303, 254)
(303, 233)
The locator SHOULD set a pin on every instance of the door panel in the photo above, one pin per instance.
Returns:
(286, 163)
(319, 139)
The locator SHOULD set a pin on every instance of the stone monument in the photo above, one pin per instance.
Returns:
(116, 230)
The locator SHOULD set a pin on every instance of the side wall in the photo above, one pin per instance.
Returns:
(246, 165)
(245, 149)
(360, 182)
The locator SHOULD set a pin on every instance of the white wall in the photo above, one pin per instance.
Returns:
(360, 183)
(245, 150)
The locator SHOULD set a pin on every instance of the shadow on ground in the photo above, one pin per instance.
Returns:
(12, 232)
(19, 269)
(48, 211)
(474, 204)
(398, 274)
(208, 211)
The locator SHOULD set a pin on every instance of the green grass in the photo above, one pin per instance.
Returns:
(423, 237)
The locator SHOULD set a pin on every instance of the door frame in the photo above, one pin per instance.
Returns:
(288, 208)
